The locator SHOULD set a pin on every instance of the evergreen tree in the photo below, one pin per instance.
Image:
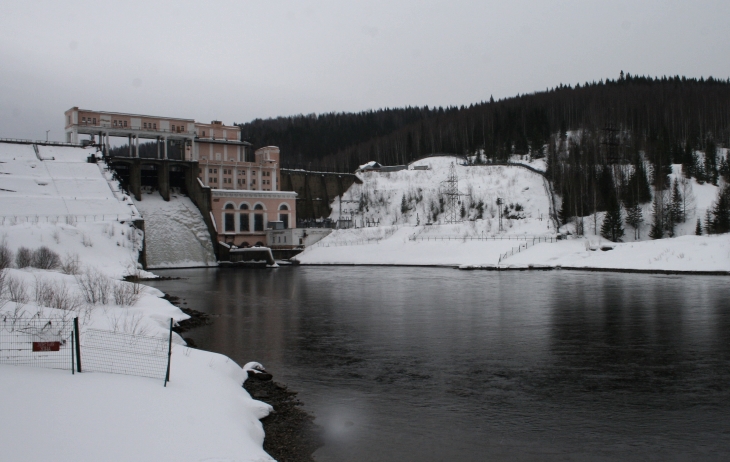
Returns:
(463, 210)
(711, 162)
(634, 218)
(677, 210)
(657, 212)
(698, 228)
(708, 221)
(721, 212)
(612, 227)
(403, 205)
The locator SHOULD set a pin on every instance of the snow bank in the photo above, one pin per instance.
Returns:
(202, 414)
(408, 245)
(176, 235)
(685, 253)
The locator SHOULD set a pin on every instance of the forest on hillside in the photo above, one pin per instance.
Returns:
(609, 145)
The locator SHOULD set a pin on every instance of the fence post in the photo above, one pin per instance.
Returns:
(169, 355)
(73, 370)
(78, 345)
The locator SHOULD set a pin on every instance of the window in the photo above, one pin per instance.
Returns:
(243, 222)
(145, 125)
(258, 222)
(284, 217)
(83, 119)
(69, 119)
(115, 123)
(229, 207)
(203, 133)
(94, 122)
(210, 170)
(125, 124)
(154, 126)
(230, 224)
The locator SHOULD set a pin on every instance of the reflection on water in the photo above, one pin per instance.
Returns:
(435, 364)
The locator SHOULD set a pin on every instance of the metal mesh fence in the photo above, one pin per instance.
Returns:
(120, 353)
(38, 342)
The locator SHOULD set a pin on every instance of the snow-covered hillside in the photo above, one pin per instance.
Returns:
(176, 235)
(62, 186)
(699, 198)
(381, 198)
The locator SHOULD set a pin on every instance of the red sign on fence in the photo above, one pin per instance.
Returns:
(46, 346)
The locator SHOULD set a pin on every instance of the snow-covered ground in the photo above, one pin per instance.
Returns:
(176, 233)
(478, 241)
(684, 253)
(54, 198)
(202, 414)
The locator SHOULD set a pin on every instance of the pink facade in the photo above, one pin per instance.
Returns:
(242, 217)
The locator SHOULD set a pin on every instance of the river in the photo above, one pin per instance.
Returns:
(432, 364)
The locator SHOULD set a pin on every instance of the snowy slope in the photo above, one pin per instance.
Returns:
(700, 198)
(54, 189)
(176, 235)
(381, 194)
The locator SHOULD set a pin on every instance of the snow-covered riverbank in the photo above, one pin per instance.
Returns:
(406, 246)
(72, 213)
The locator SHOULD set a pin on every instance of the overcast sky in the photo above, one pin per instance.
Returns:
(240, 60)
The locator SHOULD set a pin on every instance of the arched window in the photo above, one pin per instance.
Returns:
(284, 215)
(244, 220)
(229, 219)
(258, 218)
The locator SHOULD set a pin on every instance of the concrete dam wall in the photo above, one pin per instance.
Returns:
(316, 190)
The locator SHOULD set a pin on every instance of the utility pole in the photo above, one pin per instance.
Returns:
(47, 135)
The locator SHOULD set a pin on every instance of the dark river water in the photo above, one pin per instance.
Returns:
(429, 364)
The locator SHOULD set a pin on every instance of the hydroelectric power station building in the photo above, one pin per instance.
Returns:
(242, 188)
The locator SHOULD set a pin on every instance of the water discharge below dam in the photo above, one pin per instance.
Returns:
(434, 364)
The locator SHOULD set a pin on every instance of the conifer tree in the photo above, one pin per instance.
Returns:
(677, 204)
(657, 212)
(721, 212)
(711, 162)
(612, 227)
(634, 218)
(698, 228)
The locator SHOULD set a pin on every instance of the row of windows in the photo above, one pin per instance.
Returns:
(151, 125)
(120, 123)
(244, 222)
(88, 120)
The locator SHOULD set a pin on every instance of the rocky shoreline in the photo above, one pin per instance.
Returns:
(291, 434)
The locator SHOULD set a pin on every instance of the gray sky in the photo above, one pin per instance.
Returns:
(239, 60)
